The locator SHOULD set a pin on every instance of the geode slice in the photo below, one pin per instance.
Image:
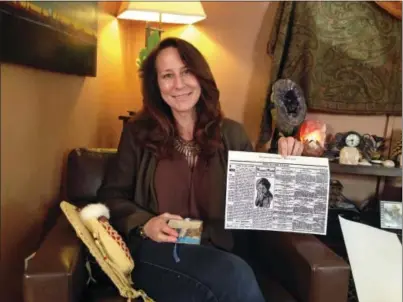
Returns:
(289, 102)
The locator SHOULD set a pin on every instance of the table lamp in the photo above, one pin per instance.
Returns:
(161, 12)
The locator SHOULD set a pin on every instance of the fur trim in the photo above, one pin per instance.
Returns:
(94, 210)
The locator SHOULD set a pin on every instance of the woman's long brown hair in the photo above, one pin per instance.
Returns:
(155, 125)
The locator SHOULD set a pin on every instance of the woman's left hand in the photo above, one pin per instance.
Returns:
(290, 146)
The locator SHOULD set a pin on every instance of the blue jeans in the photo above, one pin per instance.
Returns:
(203, 274)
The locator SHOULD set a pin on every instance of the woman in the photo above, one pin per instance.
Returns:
(264, 196)
(171, 164)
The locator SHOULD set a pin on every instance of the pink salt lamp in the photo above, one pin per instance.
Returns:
(312, 134)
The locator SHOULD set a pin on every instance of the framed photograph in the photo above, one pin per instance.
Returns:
(391, 214)
(55, 36)
(190, 231)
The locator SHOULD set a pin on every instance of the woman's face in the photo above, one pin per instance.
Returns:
(262, 189)
(179, 88)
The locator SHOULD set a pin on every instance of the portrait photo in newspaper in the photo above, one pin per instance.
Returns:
(268, 192)
(264, 196)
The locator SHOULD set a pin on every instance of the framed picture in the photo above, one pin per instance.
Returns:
(189, 230)
(55, 36)
(391, 214)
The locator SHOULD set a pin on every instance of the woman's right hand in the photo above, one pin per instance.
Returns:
(158, 230)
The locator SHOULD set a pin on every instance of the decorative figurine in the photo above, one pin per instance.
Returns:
(372, 147)
(369, 146)
(349, 156)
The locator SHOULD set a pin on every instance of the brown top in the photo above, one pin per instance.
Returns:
(188, 192)
(175, 187)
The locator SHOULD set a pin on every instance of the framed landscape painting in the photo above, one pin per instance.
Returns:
(50, 35)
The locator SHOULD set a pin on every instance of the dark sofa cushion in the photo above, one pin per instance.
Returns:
(85, 172)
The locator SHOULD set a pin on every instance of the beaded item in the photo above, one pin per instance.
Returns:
(189, 149)
(115, 236)
(105, 245)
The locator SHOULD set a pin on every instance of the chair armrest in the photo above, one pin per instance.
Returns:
(57, 271)
(306, 267)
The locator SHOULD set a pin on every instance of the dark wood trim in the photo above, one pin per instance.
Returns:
(365, 170)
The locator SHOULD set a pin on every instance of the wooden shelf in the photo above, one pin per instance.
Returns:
(365, 170)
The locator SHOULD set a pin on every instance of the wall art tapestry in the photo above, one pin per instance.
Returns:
(346, 56)
(50, 35)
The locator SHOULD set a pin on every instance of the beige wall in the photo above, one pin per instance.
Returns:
(43, 114)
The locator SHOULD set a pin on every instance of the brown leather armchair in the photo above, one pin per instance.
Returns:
(289, 267)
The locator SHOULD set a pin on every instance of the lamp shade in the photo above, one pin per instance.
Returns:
(166, 12)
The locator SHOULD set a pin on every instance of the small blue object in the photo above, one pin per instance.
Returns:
(188, 240)
(175, 253)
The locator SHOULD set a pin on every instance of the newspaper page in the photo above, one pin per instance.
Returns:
(268, 192)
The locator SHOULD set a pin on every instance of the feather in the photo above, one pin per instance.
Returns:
(94, 210)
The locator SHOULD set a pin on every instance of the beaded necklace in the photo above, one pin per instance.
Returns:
(189, 149)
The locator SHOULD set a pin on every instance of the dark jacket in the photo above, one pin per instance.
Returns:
(128, 189)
